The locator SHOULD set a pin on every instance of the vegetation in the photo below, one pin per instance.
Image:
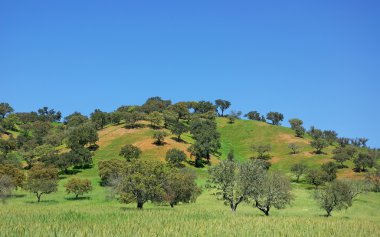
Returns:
(40, 155)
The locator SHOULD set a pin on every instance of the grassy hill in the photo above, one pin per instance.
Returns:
(98, 215)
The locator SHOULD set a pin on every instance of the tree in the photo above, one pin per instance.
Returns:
(99, 118)
(207, 140)
(5, 109)
(341, 158)
(13, 173)
(336, 196)
(315, 177)
(319, 144)
(373, 178)
(6, 187)
(273, 191)
(160, 137)
(142, 181)
(294, 123)
(130, 152)
(44, 114)
(262, 151)
(222, 105)
(175, 157)
(275, 117)
(78, 186)
(75, 119)
(81, 135)
(300, 131)
(294, 147)
(178, 128)
(116, 117)
(363, 161)
(330, 136)
(298, 170)
(204, 107)
(81, 157)
(155, 119)
(130, 119)
(224, 178)
(253, 115)
(343, 141)
(180, 186)
(180, 110)
(330, 169)
(233, 116)
(315, 133)
(8, 145)
(110, 171)
(155, 104)
(42, 180)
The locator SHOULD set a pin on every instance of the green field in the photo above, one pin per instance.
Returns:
(98, 215)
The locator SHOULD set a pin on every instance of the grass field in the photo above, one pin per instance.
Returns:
(96, 215)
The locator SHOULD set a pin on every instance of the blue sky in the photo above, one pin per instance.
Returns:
(316, 60)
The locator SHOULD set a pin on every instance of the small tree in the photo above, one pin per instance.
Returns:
(130, 119)
(373, 178)
(155, 119)
(341, 158)
(294, 147)
(6, 187)
(110, 170)
(99, 118)
(330, 169)
(298, 170)
(178, 128)
(130, 152)
(160, 137)
(233, 116)
(231, 155)
(42, 180)
(319, 144)
(78, 186)
(180, 186)
(254, 115)
(81, 135)
(175, 157)
(315, 177)
(262, 151)
(363, 161)
(275, 117)
(336, 196)
(273, 191)
(300, 131)
(294, 123)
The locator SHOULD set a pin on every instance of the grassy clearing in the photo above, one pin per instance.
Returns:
(96, 215)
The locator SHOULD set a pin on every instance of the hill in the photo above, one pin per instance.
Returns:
(97, 215)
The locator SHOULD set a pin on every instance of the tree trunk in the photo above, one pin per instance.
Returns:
(179, 137)
(298, 178)
(140, 205)
(172, 205)
(222, 112)
(38, 197)
(76, 196)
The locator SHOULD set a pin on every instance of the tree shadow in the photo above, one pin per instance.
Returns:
(159, 143)
(180, 140)
(134, 126)
(318, 153)
(93, 147)
(17, 195)
(78, 199)
(42, 201)
(70, 172)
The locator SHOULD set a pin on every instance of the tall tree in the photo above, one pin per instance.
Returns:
(253, 115)
(99, 118)
(222, 105)
(275, 117)
(42, 180)
(82, 135)
(5, 109)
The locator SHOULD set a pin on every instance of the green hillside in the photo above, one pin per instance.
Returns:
(98, 215)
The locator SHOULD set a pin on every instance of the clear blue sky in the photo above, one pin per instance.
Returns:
(316, 60)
